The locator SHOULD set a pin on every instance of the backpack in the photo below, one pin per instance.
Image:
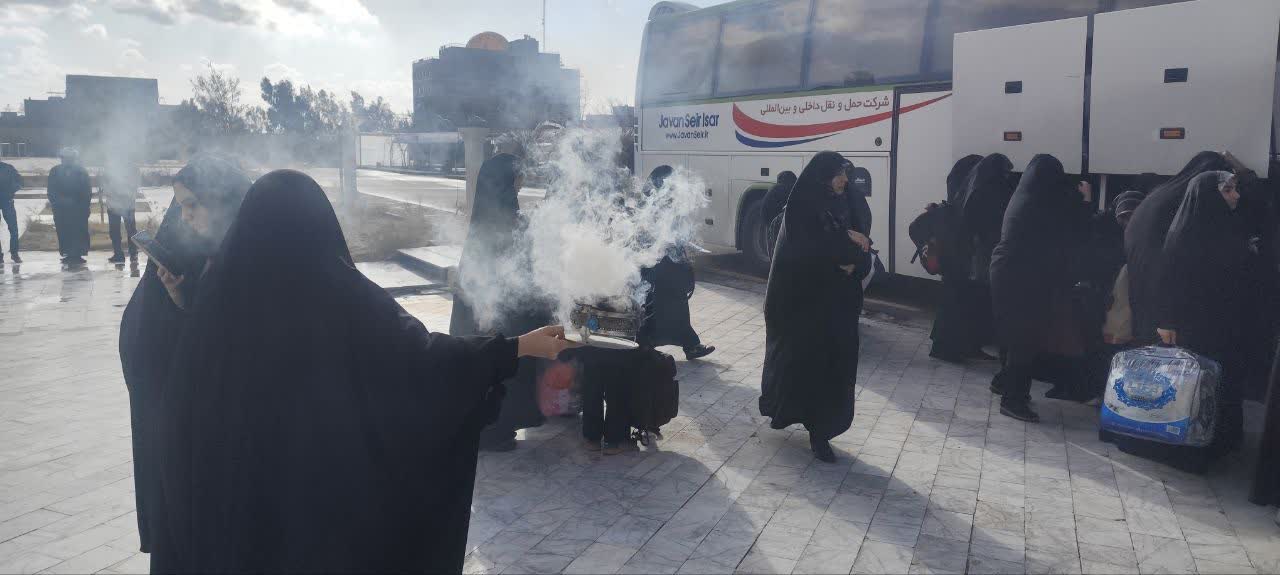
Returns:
(926, 232)
(654, 393)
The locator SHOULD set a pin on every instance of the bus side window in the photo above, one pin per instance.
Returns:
(865, 42)
(762, 48)
(681, 52)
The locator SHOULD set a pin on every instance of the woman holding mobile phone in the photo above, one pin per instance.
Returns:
(208, 192)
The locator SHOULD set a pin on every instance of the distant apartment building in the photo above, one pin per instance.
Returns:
(503, 85)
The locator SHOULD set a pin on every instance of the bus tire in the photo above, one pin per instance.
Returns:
(755, 237)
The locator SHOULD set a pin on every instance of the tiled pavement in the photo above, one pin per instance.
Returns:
(930, 478)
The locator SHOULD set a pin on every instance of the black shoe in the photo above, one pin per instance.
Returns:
(1020, 411)
(996, 389)
(116, 259)
(822, 450)
(15, 257)
(697, 351)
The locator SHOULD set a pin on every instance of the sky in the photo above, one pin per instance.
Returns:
(339, 45)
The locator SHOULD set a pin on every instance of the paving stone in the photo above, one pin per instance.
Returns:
(931, 479)
(878, 557)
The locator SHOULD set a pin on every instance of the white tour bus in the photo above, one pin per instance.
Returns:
(742, 91)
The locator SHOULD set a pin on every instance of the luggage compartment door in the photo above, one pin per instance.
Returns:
(1170, 81)
(1019, 91)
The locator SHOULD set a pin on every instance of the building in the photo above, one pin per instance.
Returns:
(99, 115)
(494, 83)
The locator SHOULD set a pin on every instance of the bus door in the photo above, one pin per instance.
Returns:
(919, 162)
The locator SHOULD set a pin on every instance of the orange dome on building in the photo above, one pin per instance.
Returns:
(488, 41)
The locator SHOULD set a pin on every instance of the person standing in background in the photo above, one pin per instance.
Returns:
(70, 194)
(1033, 271)
(119, 186)
(1144, 241)
(671, 284)
(978, 190)
(10, 183)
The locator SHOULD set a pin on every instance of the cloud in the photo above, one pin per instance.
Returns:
(23, 14)
(169, 12)
(79, 11)
(307, 17)
(158, 11)
(95, 30)
(23, 34)
(279, 71)
(46, 3)
(227, 11)
(301, 6)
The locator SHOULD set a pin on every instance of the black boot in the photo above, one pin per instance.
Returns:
(16, 259)
(822, 449)
(697, 351)
(946, 354)
(1019, 410)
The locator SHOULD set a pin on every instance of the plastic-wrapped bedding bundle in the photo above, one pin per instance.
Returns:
(1163, 394)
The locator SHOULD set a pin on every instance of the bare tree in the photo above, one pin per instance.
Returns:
(217, 96)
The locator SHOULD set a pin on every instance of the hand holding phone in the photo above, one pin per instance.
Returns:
(157, 252)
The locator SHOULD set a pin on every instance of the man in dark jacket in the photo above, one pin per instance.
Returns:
(70, 194)
(10, 183)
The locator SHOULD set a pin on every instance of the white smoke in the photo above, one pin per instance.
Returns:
(591, 235)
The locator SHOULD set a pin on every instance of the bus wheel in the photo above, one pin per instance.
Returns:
(755, 237)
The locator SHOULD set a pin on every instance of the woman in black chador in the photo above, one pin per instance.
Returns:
(671, 284)
(978, 190)
(1144, 241)
(490, 251)
(1200, 306)
(154, 319)
(812, 305)
(1034, 269)
(310, 424)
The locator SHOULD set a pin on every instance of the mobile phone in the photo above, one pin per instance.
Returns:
(154, 250)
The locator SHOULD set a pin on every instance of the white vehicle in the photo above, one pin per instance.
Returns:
(742, 91)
